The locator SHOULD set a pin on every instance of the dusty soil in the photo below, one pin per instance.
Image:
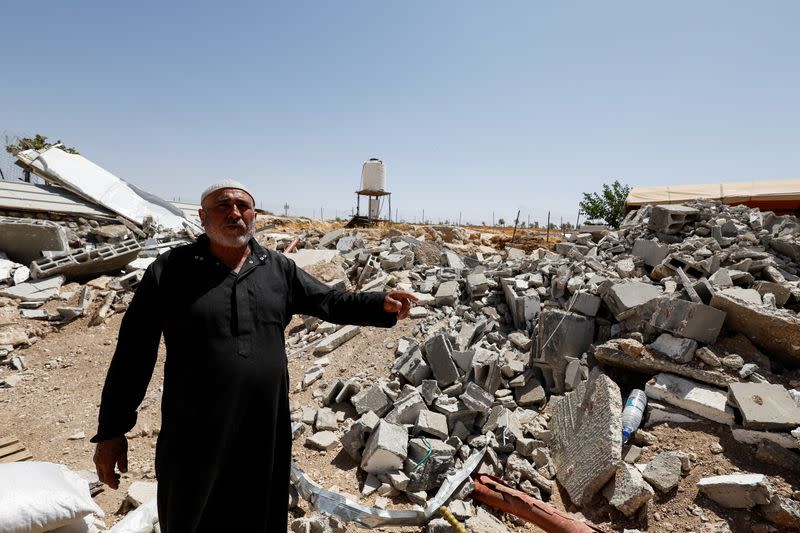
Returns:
(60, 391)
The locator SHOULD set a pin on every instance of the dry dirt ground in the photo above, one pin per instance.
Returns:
(57, 402)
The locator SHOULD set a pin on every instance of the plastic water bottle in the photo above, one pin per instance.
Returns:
(632, 413)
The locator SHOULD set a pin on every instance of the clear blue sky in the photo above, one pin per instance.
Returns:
(475, 107)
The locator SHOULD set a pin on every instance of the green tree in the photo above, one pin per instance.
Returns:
(38, 142)
(608, 205)
(501, 222)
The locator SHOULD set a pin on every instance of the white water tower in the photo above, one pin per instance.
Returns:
(373, 186)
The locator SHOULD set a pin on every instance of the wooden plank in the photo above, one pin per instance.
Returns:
(5, 441)
(19, 456)
(13, 448)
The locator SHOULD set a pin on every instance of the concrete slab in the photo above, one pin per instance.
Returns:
(765, 406)
(737, 491)
(35, 291)
(587, 437)
(307, 257)
(750, 296)
(24, 239)
(623, 297)
(609, 353)
(653, 252)
(776, 332)
(688, 319)
(331, 342)
(700, 399)
(675, 348)
(749, 436)
(585, 303)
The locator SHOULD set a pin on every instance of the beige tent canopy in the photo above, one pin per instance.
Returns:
(781, 196)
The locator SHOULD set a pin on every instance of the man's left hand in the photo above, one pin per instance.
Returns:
(399, 302)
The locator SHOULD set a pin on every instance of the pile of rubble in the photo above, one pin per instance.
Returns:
(529, 356)
(73, 242)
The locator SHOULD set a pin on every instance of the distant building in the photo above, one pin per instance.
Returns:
(782, 197)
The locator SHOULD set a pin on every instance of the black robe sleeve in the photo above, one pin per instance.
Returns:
(310, 296)
(133, 362)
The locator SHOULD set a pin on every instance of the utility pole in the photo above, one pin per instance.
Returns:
(423, 216)
(577, 220)
(492, 218)
(286, 209)
(547, 238)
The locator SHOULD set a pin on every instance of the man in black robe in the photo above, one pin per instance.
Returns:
(222, 304)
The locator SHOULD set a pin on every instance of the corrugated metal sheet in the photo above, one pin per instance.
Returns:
(21, 196)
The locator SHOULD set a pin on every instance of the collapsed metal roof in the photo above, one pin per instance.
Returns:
(99, 186)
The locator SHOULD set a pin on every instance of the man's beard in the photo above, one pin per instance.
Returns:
(218, 236)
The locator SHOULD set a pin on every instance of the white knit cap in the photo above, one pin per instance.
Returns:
(226, 184)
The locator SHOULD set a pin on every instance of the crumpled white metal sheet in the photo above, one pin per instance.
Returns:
(94, 183)
(371, 517)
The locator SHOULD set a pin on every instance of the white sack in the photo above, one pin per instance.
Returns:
(37, 497)
(141, 520)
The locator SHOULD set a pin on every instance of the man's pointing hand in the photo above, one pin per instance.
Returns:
(399, 302)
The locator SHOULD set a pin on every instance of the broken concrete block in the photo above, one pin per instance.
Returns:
(701, 399)
(433, 424)
(407, 409)
(524, 306)
(86, 262)
(431, 462)
(530, 394)
(774, 331)
(782, 511)
(675, 348)
(749, 436)
(629, 491)
(765, 406)
(439, 356)
(663, 472)
(331, 237)
(354, 439)
(447, 293)
(371, 399)
(520, 340)
(587, 437)
(653, 252)
(750, 296)
(669, 218)
(781, 292)
(737, 491)
(325, 420)
(476, 398)
(485, 522)
(688, 319)
(561, 335)
(322, 440)
(24, 239)
(386, 449)
(413, 367)
(585, 303)
(623, 297)
(331, 342)
(775, 454)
